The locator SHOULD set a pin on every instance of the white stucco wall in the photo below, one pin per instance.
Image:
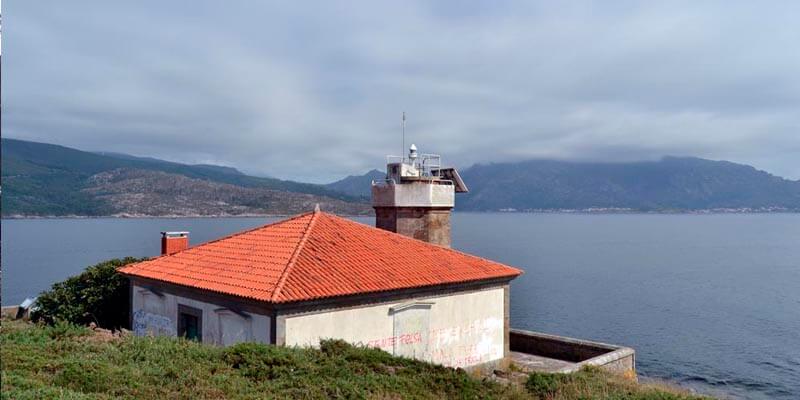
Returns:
(158, 315)
(456, 330)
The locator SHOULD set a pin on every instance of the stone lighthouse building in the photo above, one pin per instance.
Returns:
(416, 197)
(319, 276)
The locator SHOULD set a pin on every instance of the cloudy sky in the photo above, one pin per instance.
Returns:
(314, 91)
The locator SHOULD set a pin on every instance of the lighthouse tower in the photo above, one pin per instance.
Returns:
(416, 197)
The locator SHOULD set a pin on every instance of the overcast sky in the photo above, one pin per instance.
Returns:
(314, 91)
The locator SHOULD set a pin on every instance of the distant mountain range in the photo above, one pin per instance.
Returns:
(41, 179)
(357, 185)
(673, 184)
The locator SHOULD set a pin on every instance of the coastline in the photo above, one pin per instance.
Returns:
(590, 211)
(167, 216)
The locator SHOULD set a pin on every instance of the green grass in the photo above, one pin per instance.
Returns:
(593, 383)
(69, 362)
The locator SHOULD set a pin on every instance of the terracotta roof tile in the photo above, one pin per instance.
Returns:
(316, 255)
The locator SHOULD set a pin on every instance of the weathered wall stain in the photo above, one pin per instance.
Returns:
(145, 323)
(157, 315)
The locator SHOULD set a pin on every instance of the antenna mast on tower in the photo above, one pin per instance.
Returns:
(403, 152)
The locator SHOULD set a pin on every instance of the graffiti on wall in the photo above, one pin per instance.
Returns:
(145, 323)
(457, 346)
(389, 343)
(472, 343)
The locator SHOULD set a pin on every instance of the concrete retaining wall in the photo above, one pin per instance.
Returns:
(617, 359)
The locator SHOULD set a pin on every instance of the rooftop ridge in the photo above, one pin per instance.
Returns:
(242, 232)
(448, 249)
(282, 281)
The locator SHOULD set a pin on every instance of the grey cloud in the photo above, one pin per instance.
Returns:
(315, 92)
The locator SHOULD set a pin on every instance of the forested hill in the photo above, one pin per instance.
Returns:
(671, 184)
(357, 185)
(49, 180)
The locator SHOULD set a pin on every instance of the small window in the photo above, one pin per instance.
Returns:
(190, 323)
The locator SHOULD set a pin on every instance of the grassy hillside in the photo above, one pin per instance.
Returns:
(45, 179)
(69, 362)
(44, 157)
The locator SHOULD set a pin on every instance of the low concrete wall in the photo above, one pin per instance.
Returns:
(617, 359)
(11, 312)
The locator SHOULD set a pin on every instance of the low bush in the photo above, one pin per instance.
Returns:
(594, 383)
(84, 376)
(71, 362)
(62, 330)
(257, 361)
(543, 385)
(99, 294)
(40, 364)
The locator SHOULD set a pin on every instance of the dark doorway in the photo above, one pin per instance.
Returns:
(190, 323)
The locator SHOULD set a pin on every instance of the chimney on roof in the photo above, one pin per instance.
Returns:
(173, 242)
(416, 197)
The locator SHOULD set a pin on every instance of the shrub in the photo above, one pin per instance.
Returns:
(260, 361)
(99, 294)
(543, 385)
(85, 376)
(62, 330)
(592, 382)
(335, 347)
(43, 362)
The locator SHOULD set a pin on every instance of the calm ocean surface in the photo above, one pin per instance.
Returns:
(709, 301)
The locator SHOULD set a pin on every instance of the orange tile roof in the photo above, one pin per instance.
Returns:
(316, 255)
